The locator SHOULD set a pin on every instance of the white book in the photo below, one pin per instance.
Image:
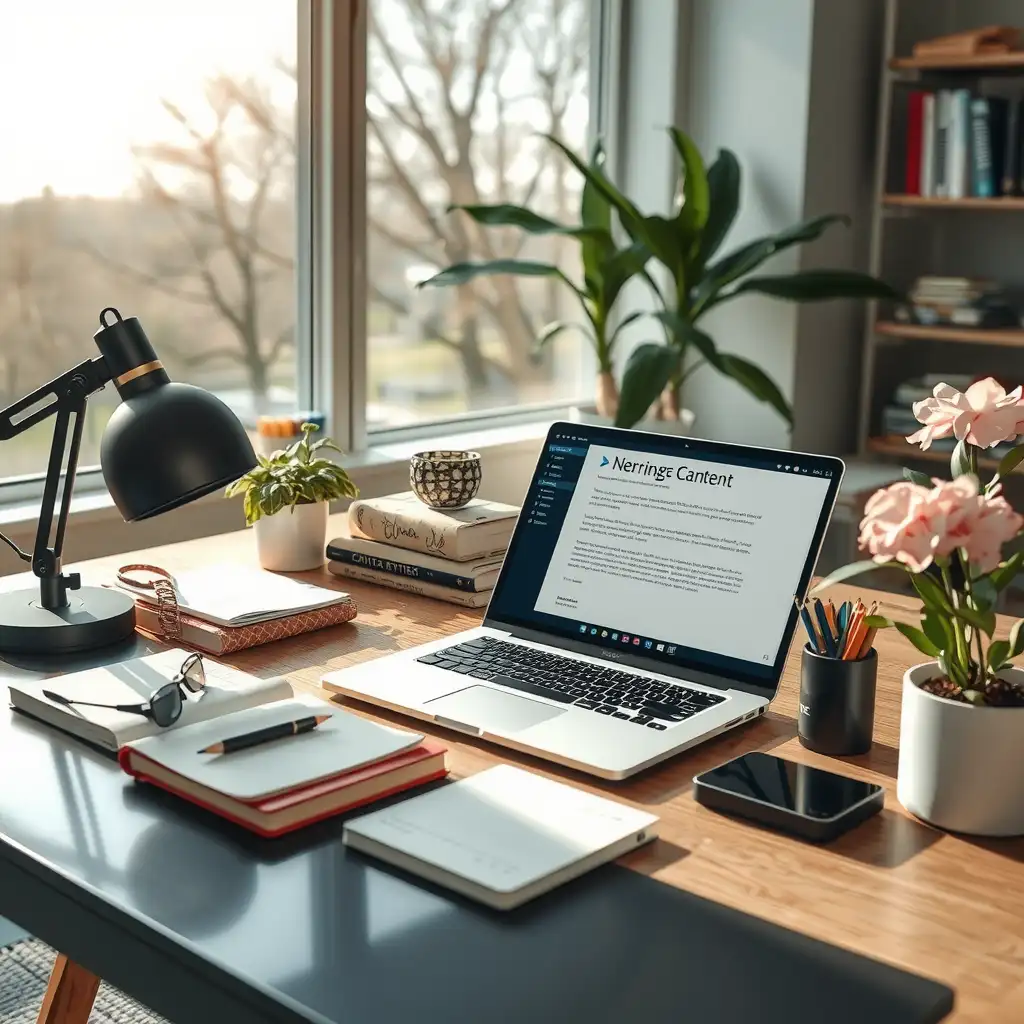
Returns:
(928, 146)
(242, 595)
(943, 111)
(958, 144)
(503, 836)
(342, 744)
(133, 682)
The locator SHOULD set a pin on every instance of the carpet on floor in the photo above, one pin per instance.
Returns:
(24, 971)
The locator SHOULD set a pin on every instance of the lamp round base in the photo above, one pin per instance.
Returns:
(95, 617)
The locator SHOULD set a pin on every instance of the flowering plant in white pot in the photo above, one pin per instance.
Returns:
(287, 496)
(964, 708)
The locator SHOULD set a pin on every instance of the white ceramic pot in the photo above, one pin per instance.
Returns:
(958, 763)
(294, 539)
(681, 427)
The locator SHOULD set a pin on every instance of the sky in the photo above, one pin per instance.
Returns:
(81, 80)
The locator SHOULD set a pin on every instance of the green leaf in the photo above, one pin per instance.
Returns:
(938, 628)
(1016, 639)
(998, 654)
(616, 269)
(975, 697)
(648, 369)
(952, 668)
(510, 216)
(684, 333)
(463, 273)
(844, 573)
(878, 622)
(596, 212)
(629, 214)
(983, 593)
(960, 461)
(918, 639)
(921, 479)
(1004, 575)
(694, 191)
(724, 178)
(930, 592)
(550, 332)
(1011, 460)
(749, 257)
(757, 383)
(817, 286)
(668, 245)
(983, 620)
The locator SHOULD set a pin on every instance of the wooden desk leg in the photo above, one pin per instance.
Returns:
(70, 994)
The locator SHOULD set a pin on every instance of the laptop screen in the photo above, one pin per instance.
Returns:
(678, 551)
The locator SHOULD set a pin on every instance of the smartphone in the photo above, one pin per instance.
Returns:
(795, 798)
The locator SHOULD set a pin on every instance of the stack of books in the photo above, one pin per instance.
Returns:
(399, 542)
(960, 145)
(959, 302)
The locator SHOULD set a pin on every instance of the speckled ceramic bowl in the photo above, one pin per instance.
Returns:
(444, 479)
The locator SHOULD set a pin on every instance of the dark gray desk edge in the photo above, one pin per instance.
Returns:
(170, 978)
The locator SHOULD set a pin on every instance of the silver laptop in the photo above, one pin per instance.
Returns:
(645, 603)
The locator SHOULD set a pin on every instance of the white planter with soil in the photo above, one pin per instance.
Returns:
(958, 762)
(294, 539)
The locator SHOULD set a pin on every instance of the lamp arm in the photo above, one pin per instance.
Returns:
(69, 393)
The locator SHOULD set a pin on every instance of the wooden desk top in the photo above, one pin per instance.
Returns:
(945, 906)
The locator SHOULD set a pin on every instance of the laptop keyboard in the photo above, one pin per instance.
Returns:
(602, 689)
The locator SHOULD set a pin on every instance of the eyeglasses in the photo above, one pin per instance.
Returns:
(165, 706)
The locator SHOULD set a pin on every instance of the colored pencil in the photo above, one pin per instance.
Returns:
(805, 618)
(827, 635)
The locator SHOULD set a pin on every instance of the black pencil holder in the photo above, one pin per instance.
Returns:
(837, 703)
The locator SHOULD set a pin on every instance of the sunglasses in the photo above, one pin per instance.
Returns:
(165, 706)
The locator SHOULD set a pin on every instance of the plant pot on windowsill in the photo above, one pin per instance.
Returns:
(957, 760)
(287, 499)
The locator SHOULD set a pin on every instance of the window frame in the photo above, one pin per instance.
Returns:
(331, 229)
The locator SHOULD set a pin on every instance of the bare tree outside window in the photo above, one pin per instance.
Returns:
(458, 94)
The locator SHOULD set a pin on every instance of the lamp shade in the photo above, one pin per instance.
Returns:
(167, 443)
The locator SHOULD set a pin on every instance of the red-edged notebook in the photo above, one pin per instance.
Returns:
(282, 812)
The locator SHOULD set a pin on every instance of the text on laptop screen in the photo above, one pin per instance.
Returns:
(691, 557)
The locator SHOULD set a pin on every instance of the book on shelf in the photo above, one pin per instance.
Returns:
(478, 575)
(346, 762)
(228, 690)
(928, 145)
(465, 598)
(983, 182)
(958, 144)
(940, 143)
(480, 528)
(915, 139)
(1011, 150)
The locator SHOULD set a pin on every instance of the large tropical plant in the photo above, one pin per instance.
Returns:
(686, 244)
(605, 266)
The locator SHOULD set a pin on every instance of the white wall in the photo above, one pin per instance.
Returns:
(789, 86)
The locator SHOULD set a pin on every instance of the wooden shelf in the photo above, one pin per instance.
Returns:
(1005, 204)
(976, 62)
(1009, 337)
(898, 447)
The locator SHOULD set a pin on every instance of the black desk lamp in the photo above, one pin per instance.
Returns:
(165, 445)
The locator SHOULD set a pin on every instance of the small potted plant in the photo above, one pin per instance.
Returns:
(286, 497)
(962, 722)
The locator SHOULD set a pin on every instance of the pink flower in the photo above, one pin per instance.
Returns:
(913, 525)
(898, 524)
(983, 415)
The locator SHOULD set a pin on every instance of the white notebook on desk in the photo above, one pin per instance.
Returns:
(503, 836)
(134, 682)
(242, 595)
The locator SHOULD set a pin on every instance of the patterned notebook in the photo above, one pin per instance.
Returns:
(214, 639)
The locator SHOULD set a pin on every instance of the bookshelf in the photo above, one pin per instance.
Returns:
(982, 62)
(978, 240)
(896, 447)
(1009, 336)
(1005, 204)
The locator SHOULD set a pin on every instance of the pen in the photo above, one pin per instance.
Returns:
(826, 629)
(267, 735)
(848, 622)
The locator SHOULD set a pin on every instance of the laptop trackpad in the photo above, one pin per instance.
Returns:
(484, 708)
